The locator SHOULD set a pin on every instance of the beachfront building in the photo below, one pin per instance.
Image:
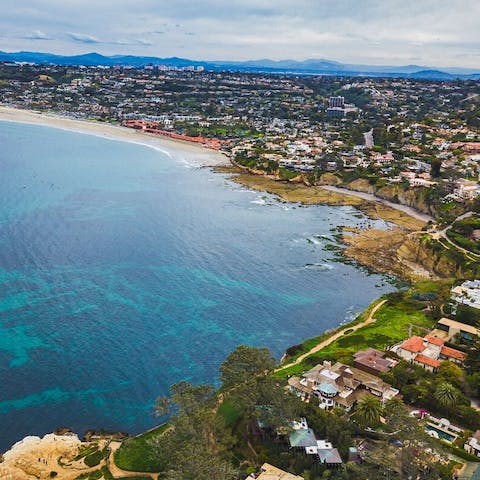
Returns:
(472, 445)
(427, 352)
(270, 472)
(339, 385)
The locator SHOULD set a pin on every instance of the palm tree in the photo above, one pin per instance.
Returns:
(446, 394)
(368, 411)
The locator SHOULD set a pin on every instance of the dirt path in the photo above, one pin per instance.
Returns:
(118, 472)
(334, 337)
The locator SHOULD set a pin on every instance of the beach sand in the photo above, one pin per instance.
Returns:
(192, 154)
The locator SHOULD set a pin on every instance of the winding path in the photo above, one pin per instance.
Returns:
(334, 337)
(372, 198)
(443, 234)
(118, 472)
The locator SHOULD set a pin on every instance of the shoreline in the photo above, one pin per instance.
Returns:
(191, 154)
(374, 207)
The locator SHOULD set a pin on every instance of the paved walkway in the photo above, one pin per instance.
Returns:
(334, 337)
(372, 198)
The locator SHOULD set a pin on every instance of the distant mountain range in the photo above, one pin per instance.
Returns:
(306, 67)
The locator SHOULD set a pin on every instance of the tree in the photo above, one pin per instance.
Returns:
(197, 442)
(196, 464)
(435, 167)
(244, 364)
(450, 373)
(368, 411)
(446, 394)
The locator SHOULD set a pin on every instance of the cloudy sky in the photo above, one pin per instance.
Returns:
(392, 32)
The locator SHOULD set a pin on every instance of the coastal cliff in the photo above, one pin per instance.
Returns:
(432, 256)
(411, 197)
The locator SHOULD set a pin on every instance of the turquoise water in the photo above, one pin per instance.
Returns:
(123, 271)
(442, 434)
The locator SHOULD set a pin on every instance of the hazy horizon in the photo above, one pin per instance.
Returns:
(432, 33)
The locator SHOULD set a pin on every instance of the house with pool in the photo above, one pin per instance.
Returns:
(472, 445)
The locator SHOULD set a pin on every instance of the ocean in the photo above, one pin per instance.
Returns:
(124, 270)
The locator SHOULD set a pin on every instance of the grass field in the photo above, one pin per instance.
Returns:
(135, 454)
(394, 321)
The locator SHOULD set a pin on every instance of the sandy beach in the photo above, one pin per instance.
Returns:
(191, 154)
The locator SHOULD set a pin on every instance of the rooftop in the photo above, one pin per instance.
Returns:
(414, 344)
(453, 353)
(269, 472)
(427, 361)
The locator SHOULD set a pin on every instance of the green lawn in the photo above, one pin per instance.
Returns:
(135, 454)
(308, 344)
(392, 326)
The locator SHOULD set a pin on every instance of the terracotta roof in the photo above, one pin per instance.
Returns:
(373, 359)
(452, 353)
(427, 361)
(434, 340)
(414, 344)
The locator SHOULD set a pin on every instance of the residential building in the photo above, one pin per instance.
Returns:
(304, 438)
(427, 352)
(473, 444)
(453, 328)
(270, 472)
(468, 293)
(334, 102)
(339, 385)
(373, 361)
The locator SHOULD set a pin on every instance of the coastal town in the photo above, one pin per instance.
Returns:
(394, 394)
(395, 138)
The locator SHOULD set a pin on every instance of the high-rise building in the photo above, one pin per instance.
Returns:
(336, 102)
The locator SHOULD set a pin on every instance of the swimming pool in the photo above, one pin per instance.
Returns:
(449, 437)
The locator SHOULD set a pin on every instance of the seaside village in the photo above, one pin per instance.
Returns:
(371, 407)
(421, 134)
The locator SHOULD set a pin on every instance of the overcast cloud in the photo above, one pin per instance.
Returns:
(394, 32)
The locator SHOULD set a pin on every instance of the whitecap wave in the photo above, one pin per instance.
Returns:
(323, 267)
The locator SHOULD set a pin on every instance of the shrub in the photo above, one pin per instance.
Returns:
(93, 459)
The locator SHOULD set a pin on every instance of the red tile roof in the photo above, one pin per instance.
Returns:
(452, 353)
(414, 344)
(434, 340)
(427, 361)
